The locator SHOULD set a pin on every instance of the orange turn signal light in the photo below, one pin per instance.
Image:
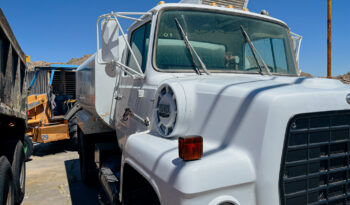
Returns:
(190, 148)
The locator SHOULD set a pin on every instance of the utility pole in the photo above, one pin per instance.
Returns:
(329, 39)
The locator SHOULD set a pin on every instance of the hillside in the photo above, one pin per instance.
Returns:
(344, 78)
(73, 61)
(305, 74)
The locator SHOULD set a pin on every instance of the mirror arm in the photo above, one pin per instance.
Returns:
(129, 70)
(127, 17)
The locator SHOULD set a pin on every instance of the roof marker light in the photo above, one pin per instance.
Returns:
(245, 9)
(190, 148)
(264, 12)
(161, 2)
(213, 4)
(230, 6)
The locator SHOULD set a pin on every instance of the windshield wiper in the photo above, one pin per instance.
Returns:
(255, 52)
(190, 49)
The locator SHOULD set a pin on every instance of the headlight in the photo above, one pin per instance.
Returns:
(165, 110)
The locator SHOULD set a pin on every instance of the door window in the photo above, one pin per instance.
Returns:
(139, 45)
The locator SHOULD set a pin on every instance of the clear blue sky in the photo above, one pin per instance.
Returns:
(57, 30)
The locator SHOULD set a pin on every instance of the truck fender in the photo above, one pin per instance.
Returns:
(224, 199)
(141, 171)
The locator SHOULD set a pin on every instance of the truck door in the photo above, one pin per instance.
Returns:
(128, 87)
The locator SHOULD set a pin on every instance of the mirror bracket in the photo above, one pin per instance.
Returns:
(297, 44)
(104, 19)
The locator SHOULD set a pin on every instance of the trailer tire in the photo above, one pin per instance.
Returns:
(28, 147)
(19, 172)
(7, 189)
(88, 171)
(73, 132)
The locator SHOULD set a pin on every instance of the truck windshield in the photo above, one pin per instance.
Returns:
(219, 42)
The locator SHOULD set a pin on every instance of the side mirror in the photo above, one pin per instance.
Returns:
(110, 41)
(113, 46)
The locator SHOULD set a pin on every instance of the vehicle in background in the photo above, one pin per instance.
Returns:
(12, 116)
(50, 104)
(203, 104)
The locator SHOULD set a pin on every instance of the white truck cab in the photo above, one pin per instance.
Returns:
(202, 104)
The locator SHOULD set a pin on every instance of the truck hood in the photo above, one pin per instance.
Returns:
(206, 100)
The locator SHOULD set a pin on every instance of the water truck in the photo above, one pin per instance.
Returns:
(200, 102)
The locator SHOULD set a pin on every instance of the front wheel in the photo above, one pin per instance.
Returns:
(7, 189)
(88, 171)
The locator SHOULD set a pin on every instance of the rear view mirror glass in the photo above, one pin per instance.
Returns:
(110, 40)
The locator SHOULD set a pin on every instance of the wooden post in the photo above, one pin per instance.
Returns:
(329, 40)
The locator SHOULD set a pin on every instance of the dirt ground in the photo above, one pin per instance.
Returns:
(53, 177)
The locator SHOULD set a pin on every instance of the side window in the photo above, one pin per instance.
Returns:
(139, 45)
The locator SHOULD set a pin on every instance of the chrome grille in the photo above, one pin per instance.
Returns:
(315, 162)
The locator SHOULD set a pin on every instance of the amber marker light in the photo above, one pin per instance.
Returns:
(213, 4)
(161, 2)
(230, 7)
(190, 148)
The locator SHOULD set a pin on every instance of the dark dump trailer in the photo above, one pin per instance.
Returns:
(12, 116)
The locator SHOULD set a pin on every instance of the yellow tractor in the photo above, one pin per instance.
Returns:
(51, 104)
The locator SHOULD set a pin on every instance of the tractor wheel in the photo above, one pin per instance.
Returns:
(28, 147)
(73, 131)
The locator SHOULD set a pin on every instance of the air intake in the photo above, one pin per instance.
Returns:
(239, 4)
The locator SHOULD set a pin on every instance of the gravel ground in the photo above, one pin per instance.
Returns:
(53, 177)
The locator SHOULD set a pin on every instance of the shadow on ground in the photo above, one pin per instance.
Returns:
(80, 193)
(51, 148)
(53, 177)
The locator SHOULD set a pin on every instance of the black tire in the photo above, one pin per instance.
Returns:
(19, 172)
(7, 189)
(88, 171)
(28, 147)
(73, 132)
